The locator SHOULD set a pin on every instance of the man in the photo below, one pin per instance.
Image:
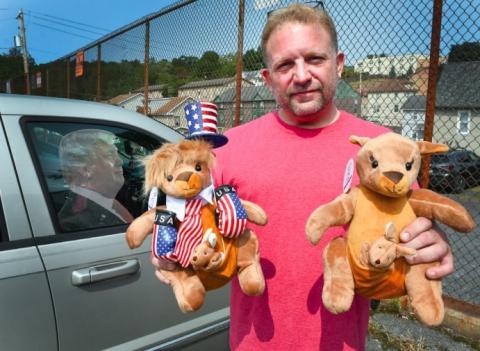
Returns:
(289, 162)
(93, 170)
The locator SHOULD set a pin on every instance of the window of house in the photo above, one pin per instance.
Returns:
(463, 122)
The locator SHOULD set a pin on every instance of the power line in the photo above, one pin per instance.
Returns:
(63, 31)
(67, 25)
(71, 21)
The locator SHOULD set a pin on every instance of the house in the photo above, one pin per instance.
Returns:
(258, 100)
(253, 76)
(130, 101)
(457, 108)
(207, 90)
(154, 91)
(413, 111)
(346, 98)
(170, 111)
(457, 113)
(255, 101)
(385, 65)
(384, 100)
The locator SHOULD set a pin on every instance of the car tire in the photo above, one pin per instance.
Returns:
(459, 185)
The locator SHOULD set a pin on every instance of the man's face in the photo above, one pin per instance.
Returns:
(303, 70)
(107, 172)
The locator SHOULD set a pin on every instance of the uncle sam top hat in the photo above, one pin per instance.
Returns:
(202, 123)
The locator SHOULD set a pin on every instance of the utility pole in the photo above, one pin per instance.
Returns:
(23, 40)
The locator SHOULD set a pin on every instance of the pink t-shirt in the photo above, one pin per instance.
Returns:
(290, 171)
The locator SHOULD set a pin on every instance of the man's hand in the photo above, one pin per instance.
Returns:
(165, 266)
(431, 245)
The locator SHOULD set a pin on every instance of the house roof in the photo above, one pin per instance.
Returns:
(117, 100)
(209, 83)
(458, 85)
(249, 93)
(170, 104)
(391, 85)
(415, 102)
(345, 91)
(155, 87)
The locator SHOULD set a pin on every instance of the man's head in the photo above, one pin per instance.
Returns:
(297, 13)
(90, 160)
(303, 64)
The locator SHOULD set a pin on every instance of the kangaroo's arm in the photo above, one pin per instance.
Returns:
(255, 213)
(337, 212)
(426, 203)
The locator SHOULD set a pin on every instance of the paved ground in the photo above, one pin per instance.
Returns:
(390, 331)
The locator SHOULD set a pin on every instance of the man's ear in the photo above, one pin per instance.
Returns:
(340, 63)
(266, 76)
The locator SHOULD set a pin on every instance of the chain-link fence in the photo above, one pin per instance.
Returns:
(413, 66)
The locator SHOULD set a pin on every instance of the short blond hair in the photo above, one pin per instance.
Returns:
(298, 13)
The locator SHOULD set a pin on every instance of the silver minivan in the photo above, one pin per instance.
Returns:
(78, 286)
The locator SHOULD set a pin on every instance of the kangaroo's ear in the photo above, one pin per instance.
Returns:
(390, 231)
(428, 148)
(358, 140)
(364, 253)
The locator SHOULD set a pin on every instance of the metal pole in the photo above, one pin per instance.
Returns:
(239, 70)
(432, 86)
(99, 65)
(145, 67)
(68, 78)
(23, 40)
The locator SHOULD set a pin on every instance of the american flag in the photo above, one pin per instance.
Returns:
(201, 118)
(190, 232)
(164, 235)
(232, 216)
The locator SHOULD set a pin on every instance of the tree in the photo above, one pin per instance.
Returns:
(253, 60)
(392, 73)
(208, 66)
(467, 51)
(11, 64)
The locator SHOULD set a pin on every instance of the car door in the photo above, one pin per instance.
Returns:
(26, 312)
(104, 294)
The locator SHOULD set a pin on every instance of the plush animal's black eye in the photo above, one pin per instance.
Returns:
(408, 165)
(169, 178)
(198, 167)
(374, 163)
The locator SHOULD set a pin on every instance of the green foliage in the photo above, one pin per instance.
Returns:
(467, 51)
(252, 60)
(11, 64)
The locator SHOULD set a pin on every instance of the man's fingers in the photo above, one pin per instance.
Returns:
(412, 230)
(163, 264)
(445, 268)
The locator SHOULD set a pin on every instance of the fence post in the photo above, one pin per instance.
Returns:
(145, 67)
(432, 86)
(67, 93)
(239, 69)
(99, 65)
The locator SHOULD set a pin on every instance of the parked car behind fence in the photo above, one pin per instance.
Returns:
(454, 171)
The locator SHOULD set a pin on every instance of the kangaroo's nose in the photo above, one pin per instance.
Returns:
(394, 176)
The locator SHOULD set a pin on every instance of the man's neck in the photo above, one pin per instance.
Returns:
(320, 119)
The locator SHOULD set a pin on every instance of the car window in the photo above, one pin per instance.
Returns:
(93, 173)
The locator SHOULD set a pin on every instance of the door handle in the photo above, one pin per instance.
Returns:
(104, 271)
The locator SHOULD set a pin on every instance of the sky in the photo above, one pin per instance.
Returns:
(55, 28)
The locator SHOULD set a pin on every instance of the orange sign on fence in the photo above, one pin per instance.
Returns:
(79, 64)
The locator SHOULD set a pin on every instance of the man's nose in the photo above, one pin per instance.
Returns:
(301, 74)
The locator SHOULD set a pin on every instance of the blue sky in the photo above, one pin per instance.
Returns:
(85, 21)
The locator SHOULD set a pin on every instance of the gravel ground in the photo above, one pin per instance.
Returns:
(393, 332)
